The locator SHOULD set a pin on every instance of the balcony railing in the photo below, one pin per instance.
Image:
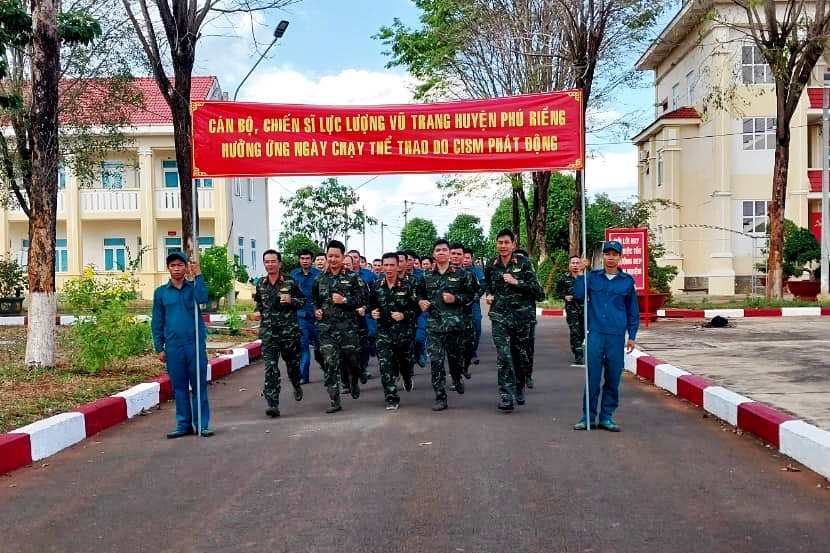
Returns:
(106, 200)
(14, 206)
(169, 199)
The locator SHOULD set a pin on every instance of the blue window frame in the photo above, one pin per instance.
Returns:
(61, 178)
(24, 253)
(253, 254)
(241, 252)
(61, 256)
(204, 183)
(112, 175)
(171, 173)
(115, 254)
(205, 242)
(172, 244)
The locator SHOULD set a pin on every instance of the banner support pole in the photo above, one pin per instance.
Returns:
(194, 255)
(586, 271)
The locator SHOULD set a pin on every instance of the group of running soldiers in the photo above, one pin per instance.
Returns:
(404, 310)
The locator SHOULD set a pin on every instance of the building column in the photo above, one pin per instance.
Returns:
(671, 239)
(147, 211)
(72, 209)
(222, 211)
(722, 269)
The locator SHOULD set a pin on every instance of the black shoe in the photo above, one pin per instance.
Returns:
(506, 405)
(439, 404)
(364, 377)
(520, 397)
(273, 412)
(355, 387)
(459, 386)
(298, 393)
(334, 407)
(345, 389)
(529, 381)
(207, 433)
(475, 359)
(179, 434)
(407, 382)
(579, 361)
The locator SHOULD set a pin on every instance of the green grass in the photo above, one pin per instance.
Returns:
(742, 303)
(552, 303)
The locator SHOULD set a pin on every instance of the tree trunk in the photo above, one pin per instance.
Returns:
(40, 343)
(575, 220)
(775, 281)
(182, 137)
(516, 185)
(531, 239)
(541, 185)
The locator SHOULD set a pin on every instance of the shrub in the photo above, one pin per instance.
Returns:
(12, 278)
(218, 271)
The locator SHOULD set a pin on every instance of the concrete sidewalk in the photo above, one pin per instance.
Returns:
(782, 362)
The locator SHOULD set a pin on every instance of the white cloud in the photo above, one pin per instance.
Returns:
(612, 173)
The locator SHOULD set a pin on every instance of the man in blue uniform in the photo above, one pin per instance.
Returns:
(479, 274)
(174, 339)
(612, 311)
(304, 276)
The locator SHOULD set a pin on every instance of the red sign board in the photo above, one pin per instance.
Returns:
(635, 253)
(815, 224)
(517, 133)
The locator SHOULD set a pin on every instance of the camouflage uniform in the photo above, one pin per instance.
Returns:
(574, 315)
(394, 338)
(514, 320)
(445, 325)
(339, 334)
(470, 345)
(280, 333)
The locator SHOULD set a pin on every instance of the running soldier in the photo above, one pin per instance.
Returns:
(394, 305)
(511, 287)
(443, 292)
(278, 299)
(457, 259)
(337, 295)
(574, 308)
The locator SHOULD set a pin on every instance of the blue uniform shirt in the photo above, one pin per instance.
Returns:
(612, 305)
(306, 283)
(172, 321)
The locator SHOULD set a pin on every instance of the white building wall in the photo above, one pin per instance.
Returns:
(249, 216)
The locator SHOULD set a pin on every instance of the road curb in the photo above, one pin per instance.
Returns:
(804, 442)
(710, 313)
(44, 438)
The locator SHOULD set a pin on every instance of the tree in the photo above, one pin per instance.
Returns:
(290, 247)
(418, 235)
(33, 42)
(323, 212)
(466, 229)
(503, 218)
(181, 22)
(791, 36)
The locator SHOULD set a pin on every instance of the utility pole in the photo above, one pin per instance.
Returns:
(364, 231)
(382, 247)
(825, 187)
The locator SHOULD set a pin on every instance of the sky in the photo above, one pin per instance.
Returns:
(328, 56)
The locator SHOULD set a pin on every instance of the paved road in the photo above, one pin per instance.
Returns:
(469, 479)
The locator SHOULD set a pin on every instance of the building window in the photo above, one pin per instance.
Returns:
(23, 256)
(171, 173)
(250, 190)
(241, 253)
(253, 254)
(115, 254)
(754, 216)
(675, 96)
(172, 244)
(691, 83)
(61, 256)
(205, 242)
(754, 68)
(61, 178)
(112, 175)
(204, 183)
(759, 133)
(660, 169)
(237, 187)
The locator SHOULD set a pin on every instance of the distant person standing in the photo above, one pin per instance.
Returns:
(175, 339)
(320, 263)
(612, 312)
(574, 309)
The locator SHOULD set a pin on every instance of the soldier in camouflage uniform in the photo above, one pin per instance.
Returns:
(394, 305)
(444, 292)
(511, 287)
(574, 309)
(338, 295)
(278, 298)
(457, 260)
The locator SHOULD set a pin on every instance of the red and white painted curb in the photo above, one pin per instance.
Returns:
(710, 313)
(67, 320)
(806, 443)
(46, 437)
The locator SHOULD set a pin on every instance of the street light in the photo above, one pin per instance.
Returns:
(825, 185)
(278, 32)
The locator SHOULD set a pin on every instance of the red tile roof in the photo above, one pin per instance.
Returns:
(156, 110)
(680, 113)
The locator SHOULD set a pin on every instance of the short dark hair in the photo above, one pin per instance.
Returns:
(400, 253)
(506, 232)
(305, 251)
(411, 253)
(389, 255)
(363, 259)
(272, 252)
(575, 257)
(320, 255)
(457, 246)
(337, 245)
(350, 252)
(428, 258)
(468, 250)
(439, 242)
(376, 259)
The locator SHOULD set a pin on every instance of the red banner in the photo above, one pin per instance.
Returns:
(518, 133)
(635, 253)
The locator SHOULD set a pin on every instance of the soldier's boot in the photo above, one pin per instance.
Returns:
(520, 396)
(506, 405)
(529, 382)
(407, 380)
(335, 406)
(439, 404)
(466, 373)
(355, 386)
(365, 376)
(459, 386)
(273, 411)
(298, 392)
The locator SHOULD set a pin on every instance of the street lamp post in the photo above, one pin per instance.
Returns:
(825, 185)
(278, 32)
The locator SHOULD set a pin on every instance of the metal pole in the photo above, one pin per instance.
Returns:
(195, 198)
(405, 212)
(588, 420)
(364, 231)
(825, 186)
(382, 247)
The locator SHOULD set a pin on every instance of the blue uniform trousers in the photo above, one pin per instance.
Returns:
(605, 359)
(181, 366)
(308, 338)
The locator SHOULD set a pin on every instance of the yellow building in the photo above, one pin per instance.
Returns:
(710, 148)
(135, 202)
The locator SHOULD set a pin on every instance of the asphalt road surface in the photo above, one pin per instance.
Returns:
(469, 479)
